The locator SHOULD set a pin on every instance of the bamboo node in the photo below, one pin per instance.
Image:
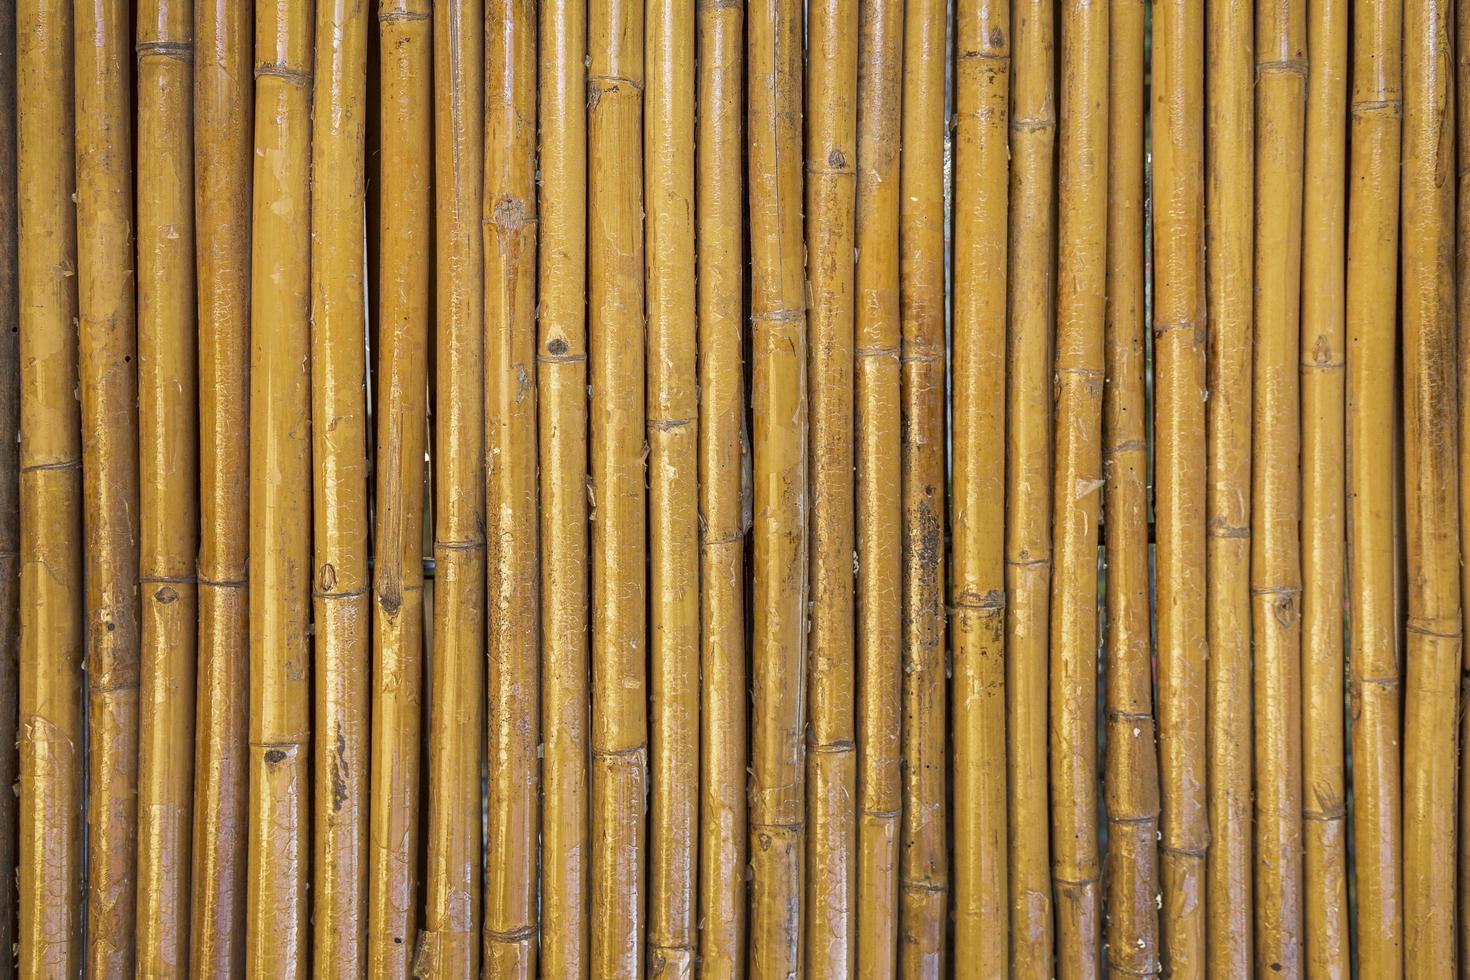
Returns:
(1285, 66)
(978, 602)
(65, 464)
(875, 352)
(1373, 106)
(401, 15)
(172, 50)
(292, 76)
(664, 425)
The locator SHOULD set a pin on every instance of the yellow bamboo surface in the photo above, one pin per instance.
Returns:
(9, 486)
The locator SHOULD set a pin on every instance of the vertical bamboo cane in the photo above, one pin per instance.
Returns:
(1324, 780)
(1431, 447)
(1131, 776)
(1179, 479)
(1028, 481)
(280, 495)
(1372, 323)
(779, 411)
(51, 622)
(224, 101)
(9, 489)
(723, 504)
(510, 503)
(1462, 313)
(673, 487)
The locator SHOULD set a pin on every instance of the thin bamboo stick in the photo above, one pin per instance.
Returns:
(1028, 481)
(51, 621)
(1431, 447)
(1324, 779)
(280, 496)
(9, 491)
(673, 514)
(1462, 313)
(723, 488)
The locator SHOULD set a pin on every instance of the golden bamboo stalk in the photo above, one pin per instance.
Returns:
(51, 620)
(1028, 482)
(223, 101)
(1372, 500)
(1324, 779)
(1462, 313)
(561, 381)
(1131, 774)
(723, 485)
(1230, 256)
(1431, 452)
(510, 502)
(169, 461)
(673, 502)
(280, 496)
(1179, 479)
(9, 489)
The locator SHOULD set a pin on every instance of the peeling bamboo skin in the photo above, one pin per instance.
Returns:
(1431, 523)
(51, 639)
(280, 497)
(9, 490)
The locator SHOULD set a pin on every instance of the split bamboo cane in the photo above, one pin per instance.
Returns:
(9, 490)
(1028, 481)
(1462, 312)
(169, 461)
(510, 502)
(1324, 778)
(723, 488)
(51, 622)
(223, 110)
(779, 414)
(280, 496)
(977, 512)
(1179, 479)
(1131, 774)
(1372, 499)
(1431, 447)
(673, 514)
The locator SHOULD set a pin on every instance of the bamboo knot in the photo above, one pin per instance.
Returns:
(292, 76)
(172, 50)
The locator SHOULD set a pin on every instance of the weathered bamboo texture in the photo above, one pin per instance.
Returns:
(723, 487)
(280, 496)
(341, 615)
(561, 383)
(1030, 295)
(1324, 778)
(1230, 272)
(1462, 313)
(1131, 773)
(224, 91)
(169, 463)
(619, 644)
(1431, 483)
(51, 644)
(1179, 472)
(9, 489)
(977, 507)
(779, 417)
(673, 501)
(1372, 554)
(109, 396)
(512, 570)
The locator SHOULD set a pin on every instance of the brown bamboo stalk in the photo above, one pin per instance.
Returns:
(1179, 477)
(1431, 447)
(224, 101)
(1230, 255)
(1131, 774)
(9, 491)
(280, 496)
(1372, 500)
(723, 488)
(510, 503)
(339, 492)
(831, 763)
(673, 502)
(1462, 312)
(1324, 779)
(1028, 481)
(51, 620)
(779, 413)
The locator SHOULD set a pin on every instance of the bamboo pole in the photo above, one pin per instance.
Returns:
(9, 491)
(510, 502)
(1431, 447)
(1324, 779)
(673, 503)
(223, 100)
(1131, 774)
(1462, 312)
(280, 495)
(723, 488)
(51, 621)
(1028, 481)
(1179, 477)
